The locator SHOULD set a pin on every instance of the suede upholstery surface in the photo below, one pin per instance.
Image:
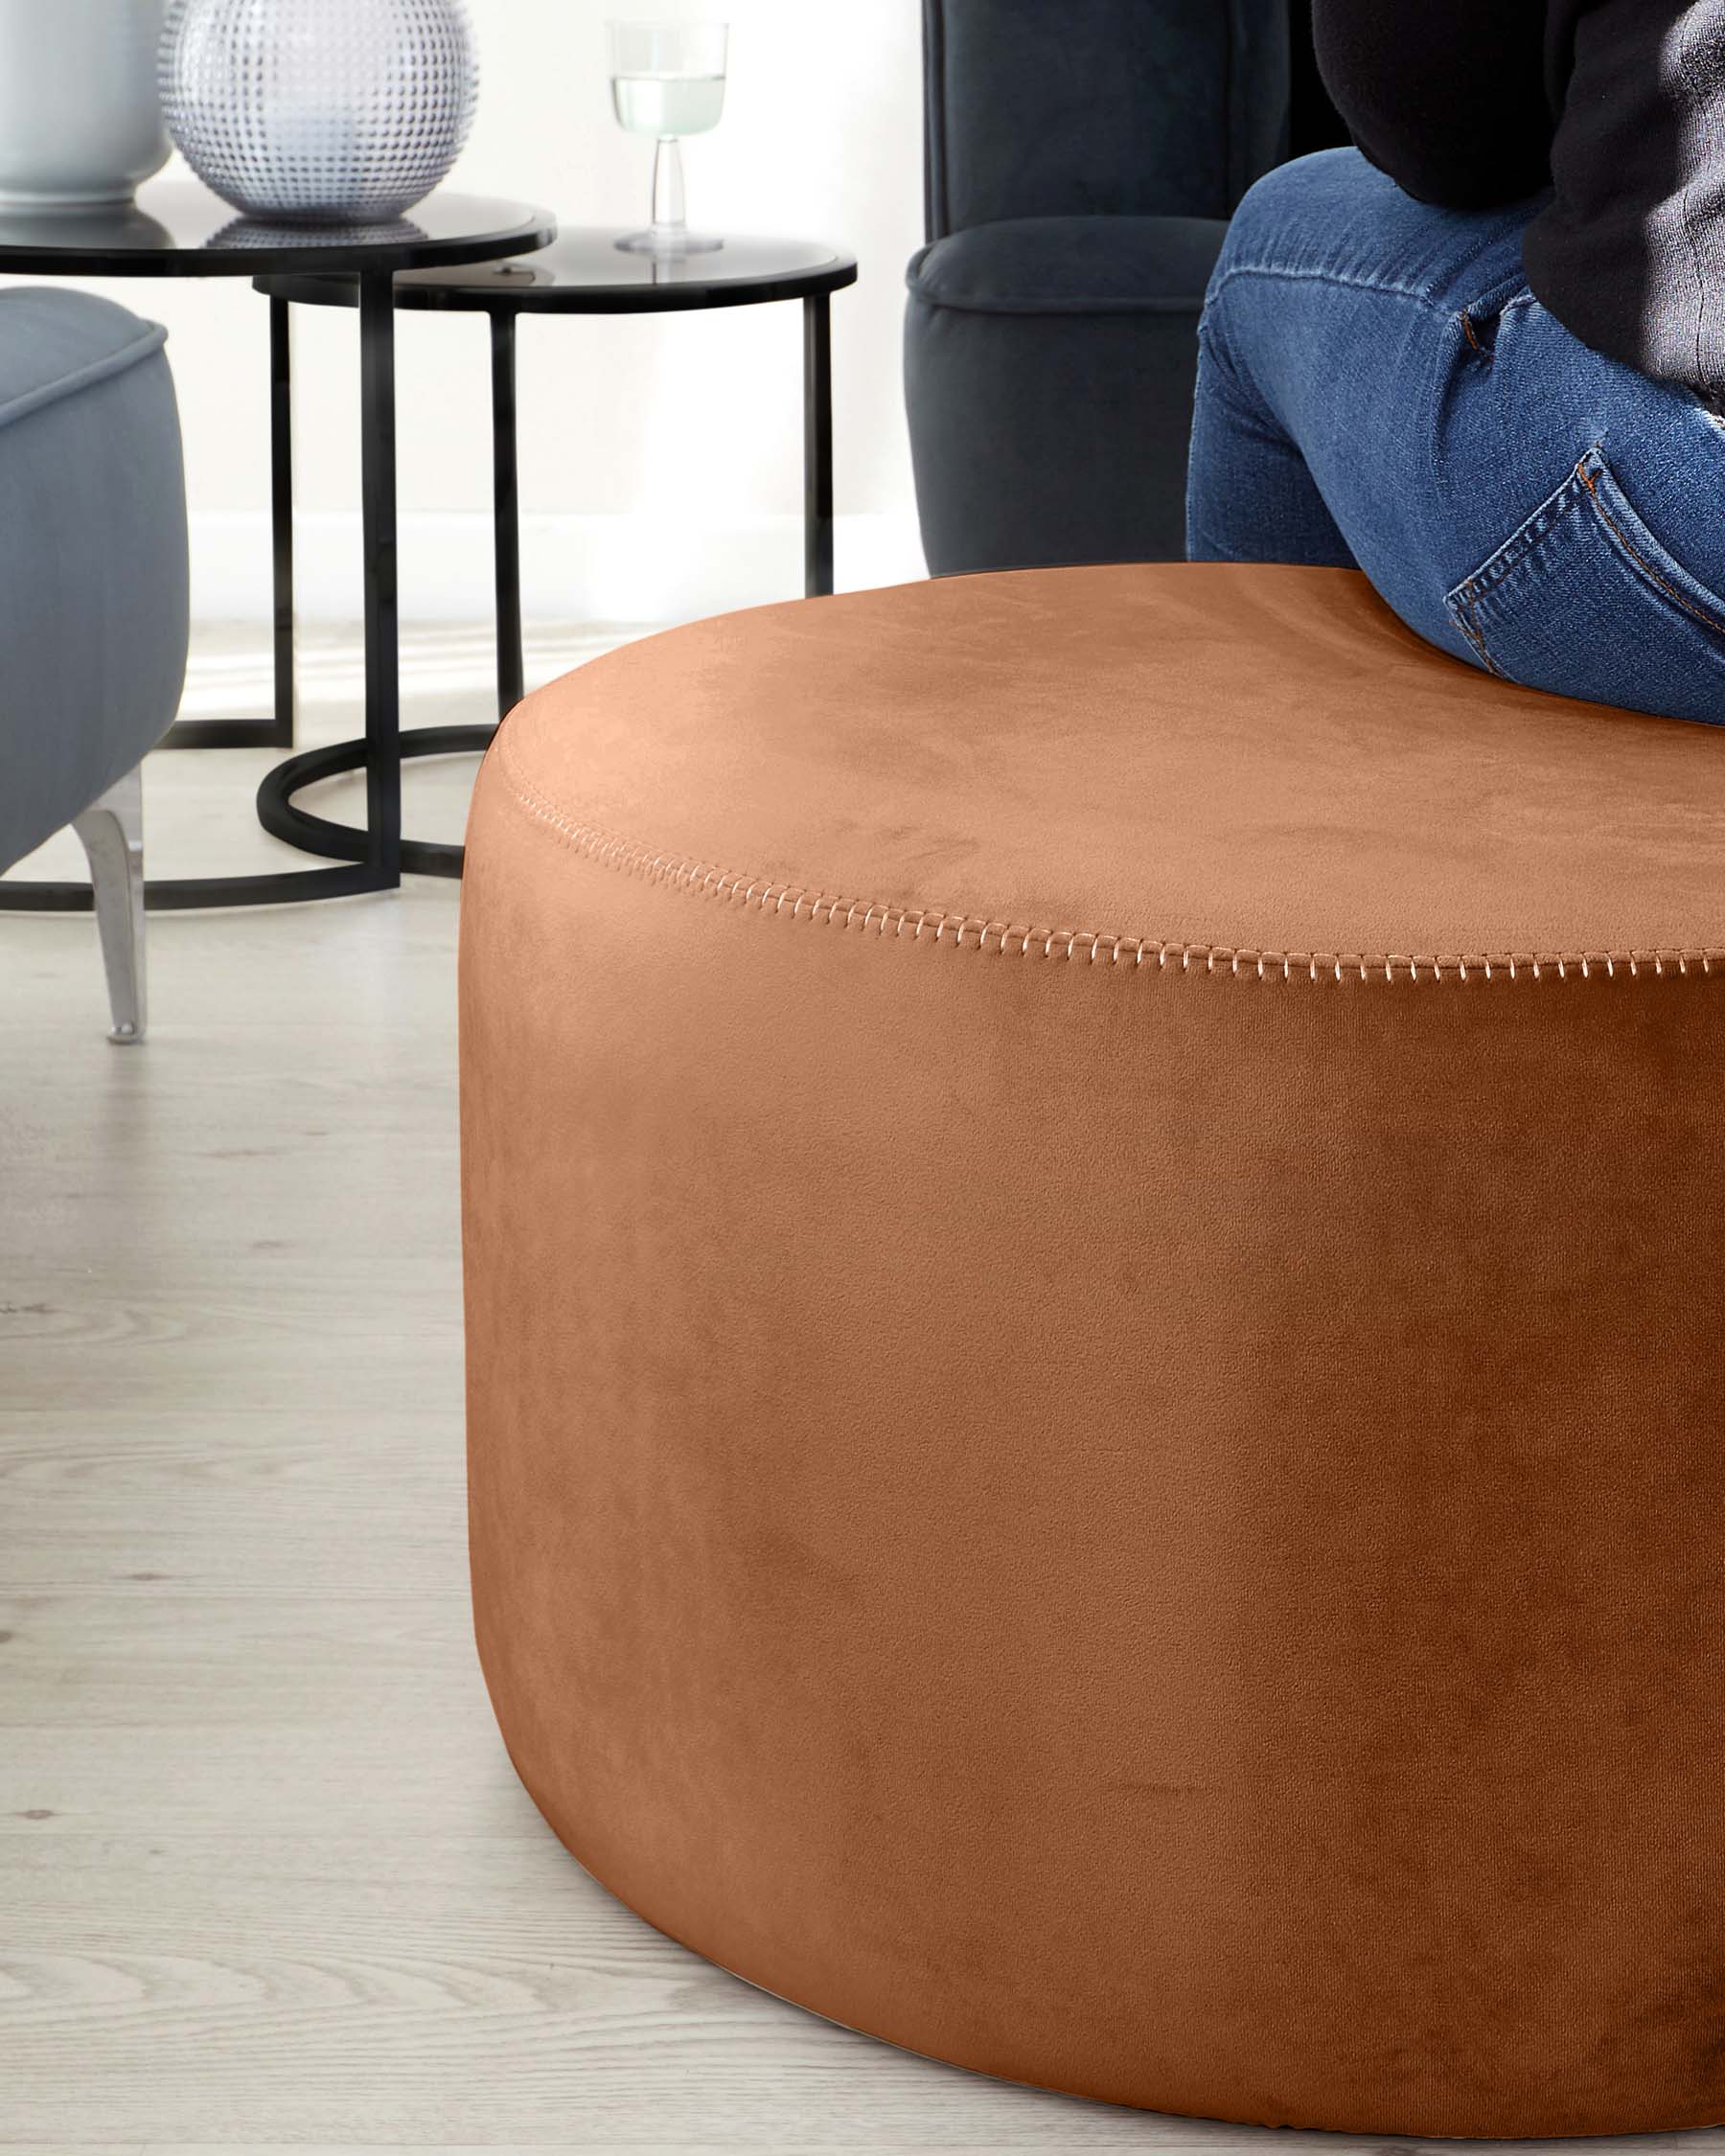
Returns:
(1095, 1252)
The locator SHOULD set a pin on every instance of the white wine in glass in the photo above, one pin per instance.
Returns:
(667, 81)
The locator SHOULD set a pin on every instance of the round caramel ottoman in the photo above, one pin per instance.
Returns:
(1095, 1257)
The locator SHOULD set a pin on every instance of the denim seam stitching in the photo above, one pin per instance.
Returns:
(981, 932)
(1671, 590)
(1464, 612)
(1232, 380)
(1513, 295)
(1465, 600)
(1483, 242)
(1327, 277)
(1522, 541)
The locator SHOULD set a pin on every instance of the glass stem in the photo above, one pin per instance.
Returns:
(668, 212)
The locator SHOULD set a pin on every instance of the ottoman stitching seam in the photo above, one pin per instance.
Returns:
(1094, 947)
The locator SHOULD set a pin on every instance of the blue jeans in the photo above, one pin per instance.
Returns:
(1378, 388)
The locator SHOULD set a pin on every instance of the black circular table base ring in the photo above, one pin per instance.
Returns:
(282, 819)
(187, 894)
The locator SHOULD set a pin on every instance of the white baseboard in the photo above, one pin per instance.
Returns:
(625, 569)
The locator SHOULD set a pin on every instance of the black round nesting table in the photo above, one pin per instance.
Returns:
(583, 272)
(178, 228)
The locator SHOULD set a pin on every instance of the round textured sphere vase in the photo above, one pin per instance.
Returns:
(319, 111)
(1095, 1267)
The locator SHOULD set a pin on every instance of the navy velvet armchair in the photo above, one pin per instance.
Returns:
(1081, 164)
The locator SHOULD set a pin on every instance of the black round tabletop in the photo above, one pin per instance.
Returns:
(178, 228)
(583, 271)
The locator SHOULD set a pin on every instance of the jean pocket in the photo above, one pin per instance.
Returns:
(1585, 601)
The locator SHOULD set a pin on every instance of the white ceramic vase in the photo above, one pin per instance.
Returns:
(81, 117)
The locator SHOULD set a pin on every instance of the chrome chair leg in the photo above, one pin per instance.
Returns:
(112, 832)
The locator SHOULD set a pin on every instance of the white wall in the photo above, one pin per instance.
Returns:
(661, 458)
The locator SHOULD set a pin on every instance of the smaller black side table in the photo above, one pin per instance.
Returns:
(583, 272)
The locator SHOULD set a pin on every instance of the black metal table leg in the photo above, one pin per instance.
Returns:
(382, 608)
(506, 513)
(818, 446)
(277, 730)
(281, 514)
(379, 846)
(383, 748)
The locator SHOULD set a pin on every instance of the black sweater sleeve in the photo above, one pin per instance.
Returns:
(1447, 97)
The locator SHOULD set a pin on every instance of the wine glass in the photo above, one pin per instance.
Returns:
(667, 81)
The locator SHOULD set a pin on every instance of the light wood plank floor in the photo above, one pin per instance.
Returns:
(266, 1879)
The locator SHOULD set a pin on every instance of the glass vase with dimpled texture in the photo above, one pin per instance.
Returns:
(319, 111)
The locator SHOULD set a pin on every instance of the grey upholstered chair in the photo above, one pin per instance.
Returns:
(1081, 164)
(93, 595)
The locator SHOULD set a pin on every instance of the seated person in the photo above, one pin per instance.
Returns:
(1482, 356)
